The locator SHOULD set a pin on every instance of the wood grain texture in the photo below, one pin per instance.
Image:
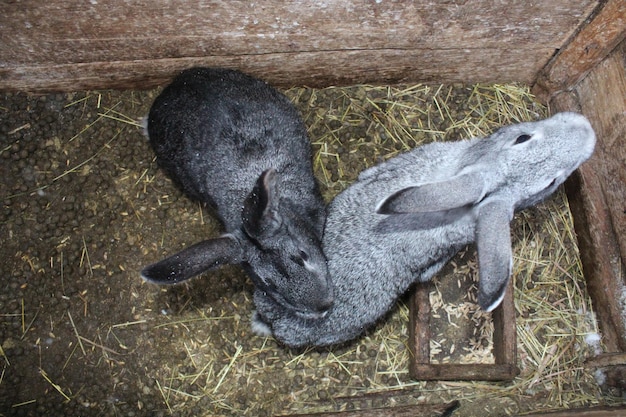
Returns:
(313, 69)
(504, 343)
(587, 49)
(598, 192)
(61, 45)
(419, 410)
(584, 412)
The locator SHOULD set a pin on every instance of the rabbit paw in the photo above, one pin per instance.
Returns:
(259, 327)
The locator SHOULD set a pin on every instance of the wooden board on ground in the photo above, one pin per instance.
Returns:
(504, 343)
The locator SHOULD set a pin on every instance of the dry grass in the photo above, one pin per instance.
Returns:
(353, 128)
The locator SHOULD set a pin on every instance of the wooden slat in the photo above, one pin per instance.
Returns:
(588, 48)
(584, 412)
(504, 341)
(605, 360)
(419, 410)
(613, 368)
(598, 192)
(313, 69)
(71, 44)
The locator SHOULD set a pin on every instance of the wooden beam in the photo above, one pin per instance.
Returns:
(71, 44)
(584, 412)
(606, 29)
(418, 410)
(598, 192)
(312, 69)
(504, 343)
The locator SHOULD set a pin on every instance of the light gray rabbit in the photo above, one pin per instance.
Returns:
(402, 220)
(236, 143)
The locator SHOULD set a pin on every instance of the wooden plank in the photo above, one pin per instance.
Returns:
(70, 44)
(597, 193)
(505, 333)
(464, 372)
(504, 342)
(288, 69)
(107, 30)
(612, 368)
(588, 48)
(419, 410)
(584, 412)
(598, 251)
(605, 360)
(419, 328)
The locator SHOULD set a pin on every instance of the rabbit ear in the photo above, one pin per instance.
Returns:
(458, 191)
(194, 260)
(495, 258)
(260, 211)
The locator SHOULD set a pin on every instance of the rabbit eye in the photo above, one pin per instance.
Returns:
(522, 139)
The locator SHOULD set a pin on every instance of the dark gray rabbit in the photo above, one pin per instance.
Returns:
(236, 143)
(402, 220)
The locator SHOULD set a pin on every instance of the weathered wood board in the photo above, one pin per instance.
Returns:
(419, 410)
(589, 76)
(598, 193)
(504, 343)
(585, 412)
(606, 29)
(72, 45)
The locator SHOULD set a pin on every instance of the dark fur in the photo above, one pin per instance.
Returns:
(237, 144)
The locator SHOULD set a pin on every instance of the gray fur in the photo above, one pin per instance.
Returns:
(399, 223)
(237, 144)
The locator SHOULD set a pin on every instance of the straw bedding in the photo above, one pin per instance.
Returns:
(94, 209)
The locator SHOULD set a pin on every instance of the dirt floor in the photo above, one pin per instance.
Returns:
(84, 208)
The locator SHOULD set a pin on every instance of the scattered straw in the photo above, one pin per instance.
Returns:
(90, 125)
(23, 403)
(129, 323)
(119, 117)
(225, 370)
(84, 257)
(55, 386)
(166, 396)
(17, 129)
(6, 361)
(78, 337)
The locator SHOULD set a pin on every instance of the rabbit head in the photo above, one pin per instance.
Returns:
(516, 167)
(284, 256)
(278, 249)
(526, 162)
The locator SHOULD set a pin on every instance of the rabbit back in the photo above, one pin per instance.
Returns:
(215, 130)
